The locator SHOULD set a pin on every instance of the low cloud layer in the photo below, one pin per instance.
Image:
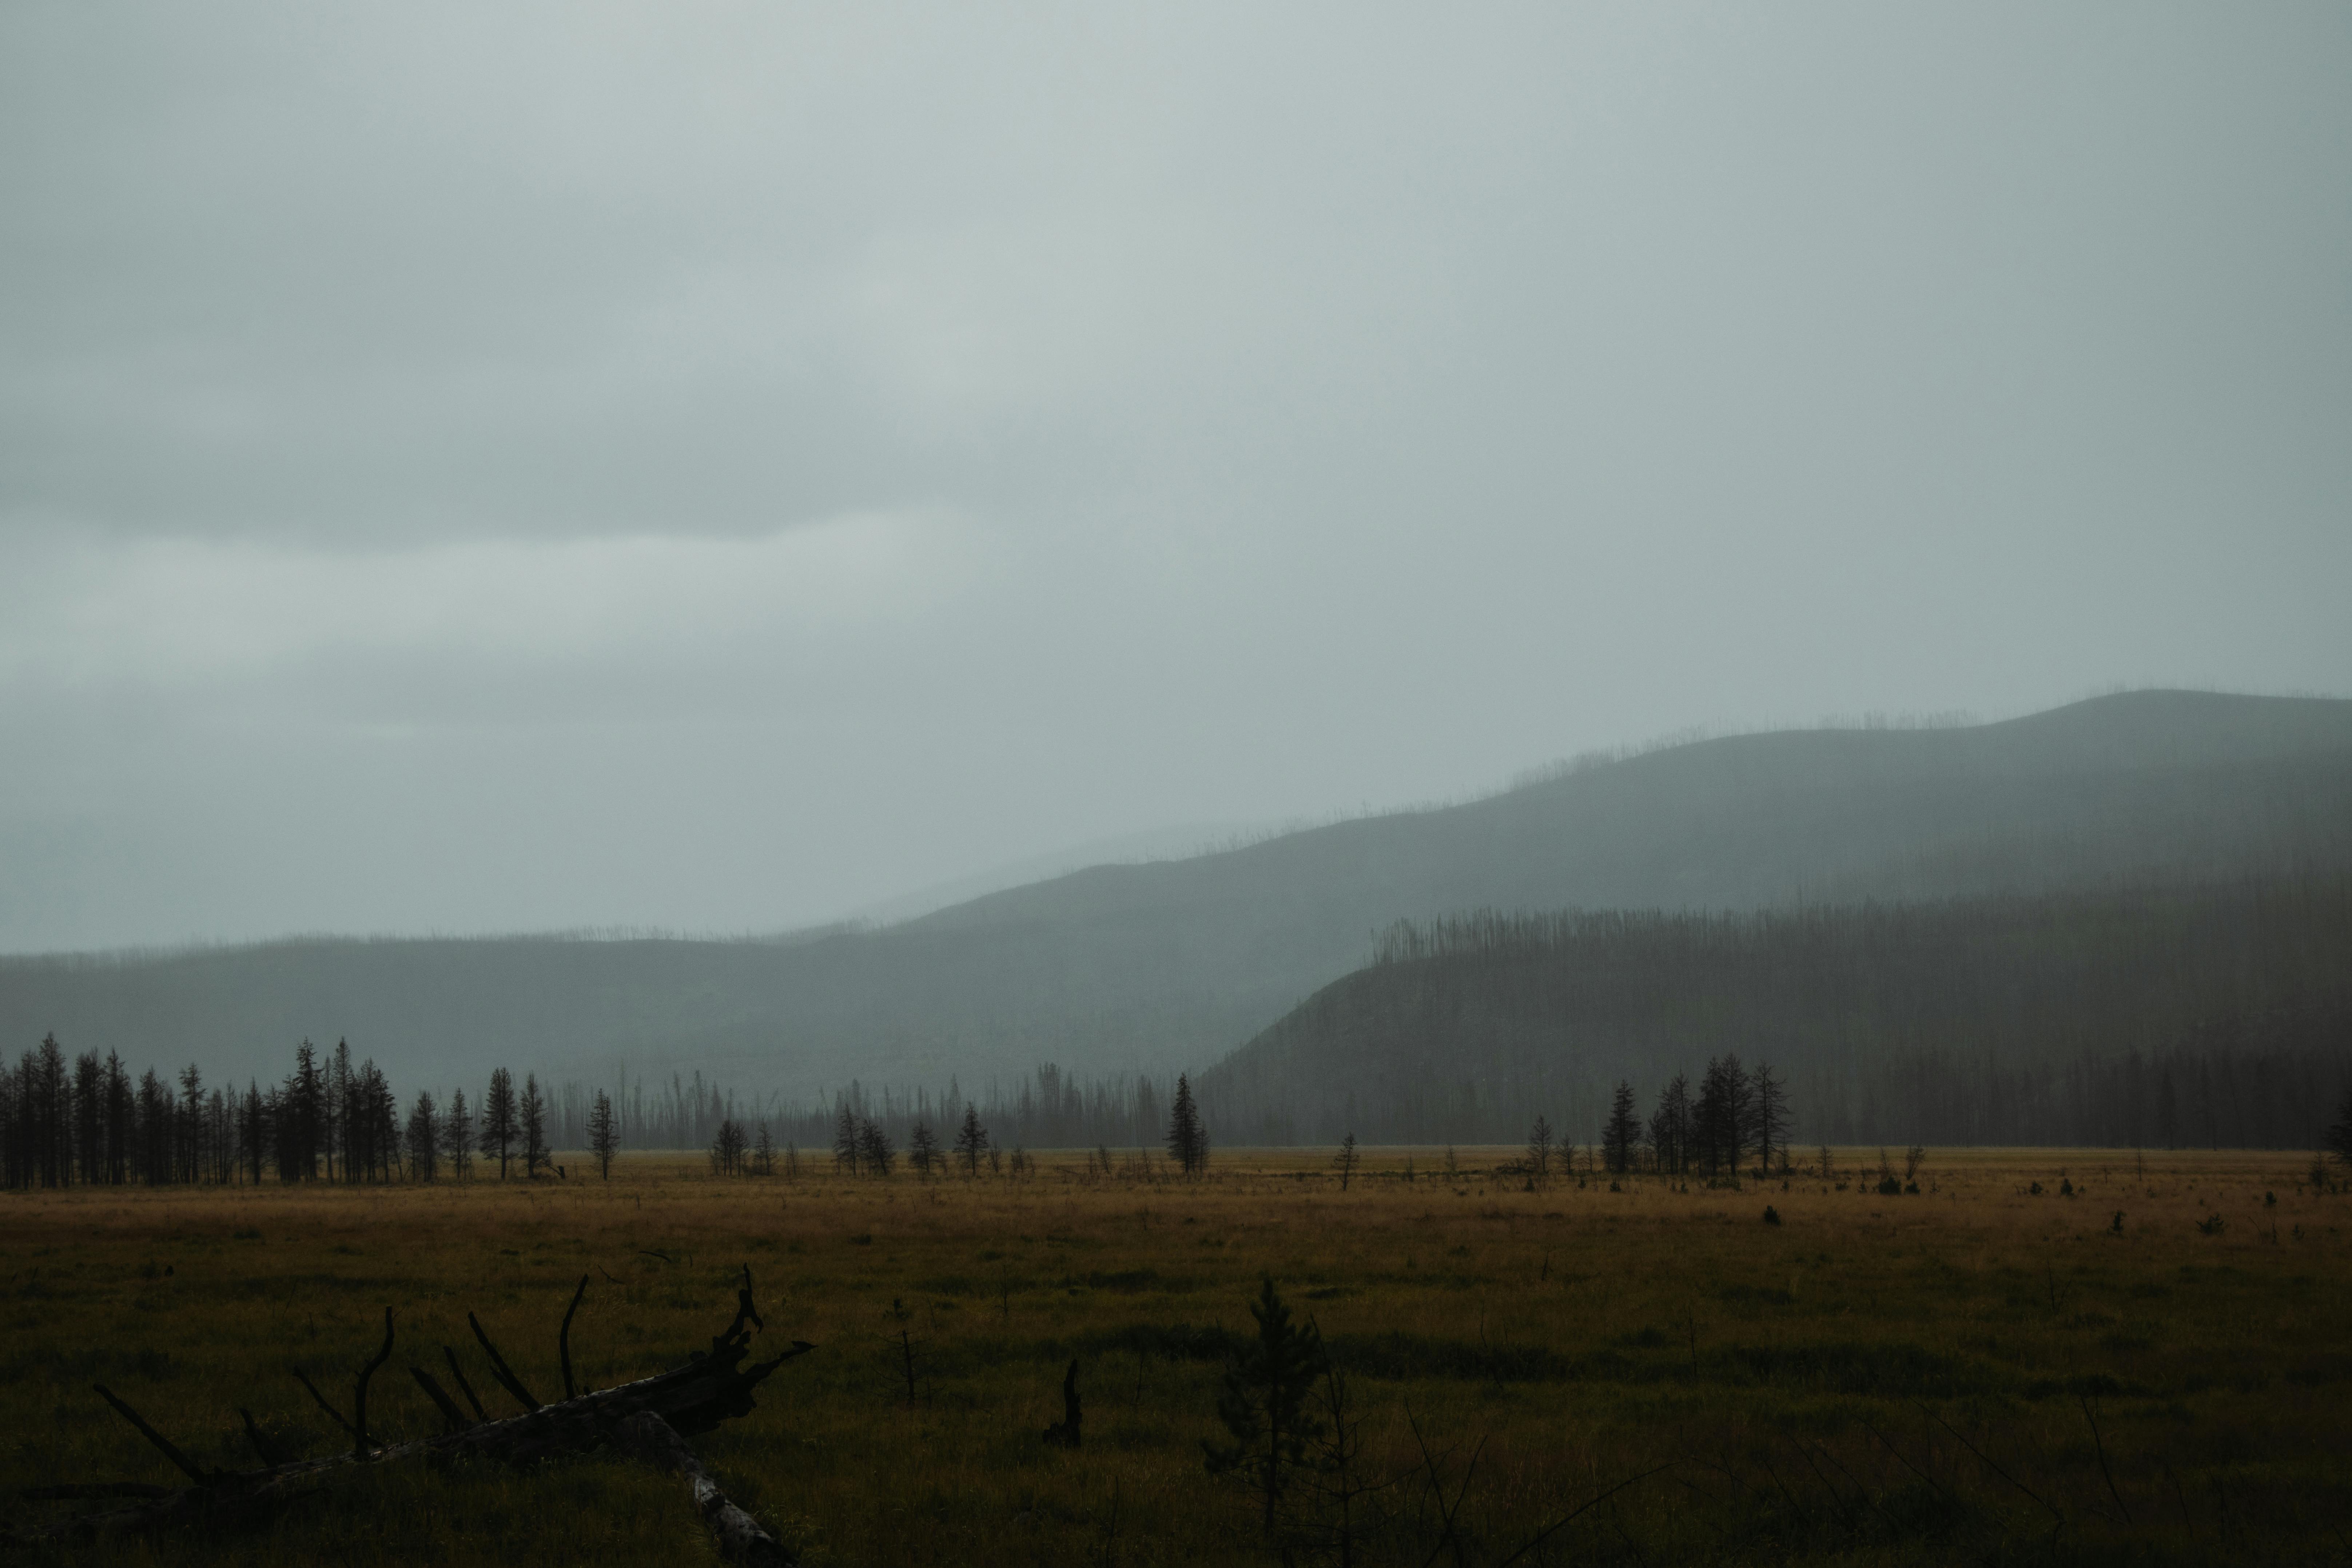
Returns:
(720, 468)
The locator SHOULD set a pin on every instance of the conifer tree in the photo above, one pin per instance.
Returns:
(458, 1136)
(845, 1142)
(1188, 1140)
(971, 1139)
(531, 1112)
(1622, 1131)
(498, 1118)
(604, 1134)
(1263, 1402)
(1540, 1144)
(423, 1138)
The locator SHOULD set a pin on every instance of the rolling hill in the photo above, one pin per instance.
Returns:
(1174, 964)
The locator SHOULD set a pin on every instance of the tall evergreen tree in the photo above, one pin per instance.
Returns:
(845, 1142)
(1539, 1150)
(1622, 1131)
(457, 1136)
(301, 1117)
(1768, 1095)
(971, 1139)
(604, 1134)
(499, 1119)
(423, 1138)
(531, 1110)
(1188, 1140)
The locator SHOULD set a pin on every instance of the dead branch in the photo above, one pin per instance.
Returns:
(499, 1369)
(466, 1388)
(164, 1444)
(336, 1415)
(359, 1394)
(647, 1419)
(434, 1391)
(563, 1338)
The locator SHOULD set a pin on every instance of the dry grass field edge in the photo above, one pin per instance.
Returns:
(2069, 1355)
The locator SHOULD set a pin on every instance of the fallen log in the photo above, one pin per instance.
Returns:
(648, 1420)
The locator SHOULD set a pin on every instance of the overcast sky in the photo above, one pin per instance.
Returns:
(475, 469)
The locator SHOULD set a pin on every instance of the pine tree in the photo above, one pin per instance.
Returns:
(971, 1140)
(604, 1135)
(498, 1118)
(1263, 1402)
(458, 1136)
(923, 1147)
(874, 1151)
(532, 1111)
(423, 1138)
(1188, 1140)
(1769, 1096)
(1540, 1144)
(1622, 1131)
(1344, 1162)
(844, 1141)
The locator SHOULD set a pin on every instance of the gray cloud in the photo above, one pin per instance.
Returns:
(723, 468)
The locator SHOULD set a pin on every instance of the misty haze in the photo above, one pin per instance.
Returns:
(1228, 784)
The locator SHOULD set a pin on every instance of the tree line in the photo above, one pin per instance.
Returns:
(89, 1121)
(330, 1118)
(2214, 1013)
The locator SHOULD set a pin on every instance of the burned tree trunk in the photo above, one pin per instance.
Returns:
(647, 1420)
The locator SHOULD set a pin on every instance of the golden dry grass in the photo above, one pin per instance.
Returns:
(1874, 1379)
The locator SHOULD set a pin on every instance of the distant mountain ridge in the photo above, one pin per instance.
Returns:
(1175, 963)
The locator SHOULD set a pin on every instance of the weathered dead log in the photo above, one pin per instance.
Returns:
(740, 1539)
(711, 1387)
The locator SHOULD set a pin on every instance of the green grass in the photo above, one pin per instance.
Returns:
(1876, 1380)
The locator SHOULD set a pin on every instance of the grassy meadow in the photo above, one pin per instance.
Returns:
(1976, 1373)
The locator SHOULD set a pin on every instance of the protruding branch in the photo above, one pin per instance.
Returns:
(187, 1466)
(264, 1449)
(499, 1369)
(333, 1414)
(563, 1339)
(359, 1395)
(465, 1387)
(434, 1391)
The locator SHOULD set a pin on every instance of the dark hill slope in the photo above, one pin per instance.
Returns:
(1173, 963)
(2171, 1016)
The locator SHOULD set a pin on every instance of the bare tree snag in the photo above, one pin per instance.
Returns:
(648, 1420)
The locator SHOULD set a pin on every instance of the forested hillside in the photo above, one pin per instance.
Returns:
(1169, 964)
(2216, 1015)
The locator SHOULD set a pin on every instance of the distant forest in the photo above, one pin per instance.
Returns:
(87, 1121)
(2199, 1016)
(2164, 1018)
